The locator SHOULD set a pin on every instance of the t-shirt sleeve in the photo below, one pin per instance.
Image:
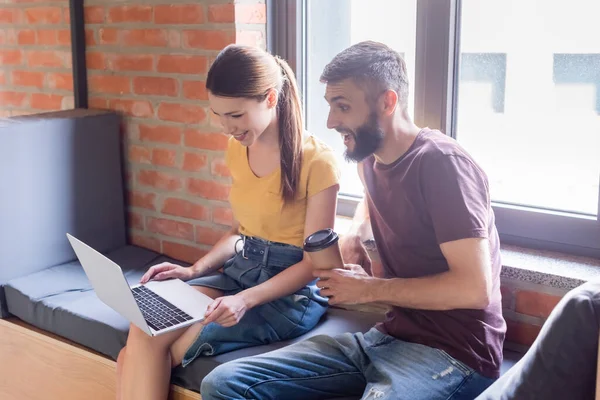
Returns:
(324, 172)
(456, 194)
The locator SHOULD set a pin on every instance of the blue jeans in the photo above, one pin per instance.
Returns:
(282, 319)
(373, 365)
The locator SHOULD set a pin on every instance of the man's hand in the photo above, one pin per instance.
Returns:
(353, 252)
(226, 311)
(344, 286)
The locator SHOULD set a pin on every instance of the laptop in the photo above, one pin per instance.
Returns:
(156, 307)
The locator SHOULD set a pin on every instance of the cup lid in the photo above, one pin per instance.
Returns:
(320, 240)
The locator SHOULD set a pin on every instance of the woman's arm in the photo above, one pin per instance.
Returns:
(320, 214)
(222, 251)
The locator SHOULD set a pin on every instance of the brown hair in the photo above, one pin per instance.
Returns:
(373, 66)
(250, 72)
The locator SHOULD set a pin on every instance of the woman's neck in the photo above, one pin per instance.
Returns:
(270, 137)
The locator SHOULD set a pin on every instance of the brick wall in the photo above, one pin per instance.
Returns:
(149, 59)
(526, 306)
(35, 57)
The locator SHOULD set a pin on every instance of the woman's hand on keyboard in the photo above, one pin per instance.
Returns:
(167, 270)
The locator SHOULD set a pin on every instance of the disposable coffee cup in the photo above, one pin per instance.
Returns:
(324, 250)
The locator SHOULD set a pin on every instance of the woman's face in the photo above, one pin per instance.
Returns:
(244, 119)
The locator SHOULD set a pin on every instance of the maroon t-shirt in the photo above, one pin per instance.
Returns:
(436, 193)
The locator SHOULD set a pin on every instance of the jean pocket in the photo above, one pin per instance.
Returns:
(462, 367)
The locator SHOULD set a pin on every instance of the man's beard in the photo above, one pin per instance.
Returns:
(367, 140)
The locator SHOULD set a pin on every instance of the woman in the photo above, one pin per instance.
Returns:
(285, 186)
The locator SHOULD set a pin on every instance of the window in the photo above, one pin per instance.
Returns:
(332, 26)
(516, 82)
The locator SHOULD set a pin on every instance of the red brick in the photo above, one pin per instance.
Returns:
(90, 38)
(182, 64)
(182, 252)
(142, 199)
(146, 242)
(2, 77)
(208, 40)
(164, 157)
(16, 99)
(250, 38)
(93, 14)
(535, 304)
(42, 101)
(147, 85)
(167, 227)
(98, 102)
(251, 13)
(28, 78)
(150, 37)
(207, 141)
(110, 84)
(223, 216)
(179, 14)
(136, 220)
(11, 57)
(63, 37)
(43, 15)
(131, 62)
(186, 113)
(194, 162)
(195, 90)
(10, 16)
(208, 189)
(159, 180)
(47, 37)
(108, 36)
(160, 134)
(60, 80)
(8, 37)
(66, 15)
(46, 59)
(132, 13)
(220, 13)
(26, 37)
(133, 108)
(140, 154)
(185, 209)
(209, 236)
(219, 168)
(521, 332)
(95, 60)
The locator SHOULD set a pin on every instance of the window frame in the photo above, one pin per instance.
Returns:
(436, 100)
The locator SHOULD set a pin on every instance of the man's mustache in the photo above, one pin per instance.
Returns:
(346, 131)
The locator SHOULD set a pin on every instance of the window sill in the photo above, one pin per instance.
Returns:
(548, 268)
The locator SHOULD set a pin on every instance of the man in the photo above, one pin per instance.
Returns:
(429, 207)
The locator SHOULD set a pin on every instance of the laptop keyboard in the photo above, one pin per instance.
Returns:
(158, 312)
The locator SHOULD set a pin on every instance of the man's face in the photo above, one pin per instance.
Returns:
(351, 115)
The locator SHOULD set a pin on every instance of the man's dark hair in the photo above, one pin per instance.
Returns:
(373, 66)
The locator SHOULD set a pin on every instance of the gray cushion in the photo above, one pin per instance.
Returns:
(64, 174)
(61, 300)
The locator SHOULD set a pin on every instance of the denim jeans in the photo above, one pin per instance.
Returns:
(282, 319)
(373, 365)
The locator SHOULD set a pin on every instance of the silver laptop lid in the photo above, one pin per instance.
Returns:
(109, 283)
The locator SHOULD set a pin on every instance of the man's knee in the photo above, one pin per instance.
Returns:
(218, 384)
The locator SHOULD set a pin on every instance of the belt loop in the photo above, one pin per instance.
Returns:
(244, 247)
(266, 255)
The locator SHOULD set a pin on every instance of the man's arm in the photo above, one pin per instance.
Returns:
(467, 284)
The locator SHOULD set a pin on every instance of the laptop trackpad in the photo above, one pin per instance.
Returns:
(182, 296)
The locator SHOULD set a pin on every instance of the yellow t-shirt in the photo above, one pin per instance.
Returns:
(257, 203)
